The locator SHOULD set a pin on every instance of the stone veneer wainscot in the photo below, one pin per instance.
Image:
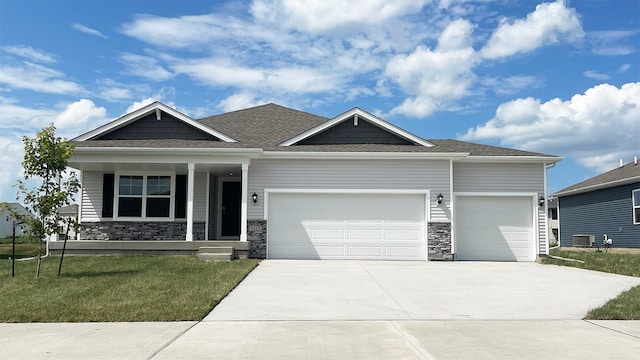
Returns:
(132, 230)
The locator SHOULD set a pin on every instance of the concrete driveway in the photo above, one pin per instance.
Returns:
(376, 290)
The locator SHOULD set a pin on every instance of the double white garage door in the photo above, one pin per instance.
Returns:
(393, 227)
(346, 226)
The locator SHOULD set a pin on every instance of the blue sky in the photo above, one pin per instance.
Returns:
(560, 78)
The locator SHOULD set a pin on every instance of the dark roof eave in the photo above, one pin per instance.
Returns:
(594, 187)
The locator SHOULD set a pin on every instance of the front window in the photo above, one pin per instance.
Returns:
(636, 206)
(144, 196)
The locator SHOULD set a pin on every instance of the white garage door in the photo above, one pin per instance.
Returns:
(494, 228)
(346, 226)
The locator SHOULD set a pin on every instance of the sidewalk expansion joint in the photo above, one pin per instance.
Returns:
(412, 343)
(155, 353)
(614, 330)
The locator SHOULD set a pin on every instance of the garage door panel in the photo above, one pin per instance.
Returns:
(327, 234)
(364, 234)
(343, 226)
(365, 251)
(402, 235)
(494, 228)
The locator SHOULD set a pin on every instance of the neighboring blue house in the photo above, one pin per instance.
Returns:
(606, 204)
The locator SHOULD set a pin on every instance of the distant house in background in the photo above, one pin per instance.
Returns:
(552, 218)
(606, 204)
(69, 215)
(7, 220)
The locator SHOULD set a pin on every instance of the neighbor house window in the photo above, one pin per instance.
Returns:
(636, 206)
(144, 196)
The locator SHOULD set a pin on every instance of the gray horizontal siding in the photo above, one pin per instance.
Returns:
(200, 197)
(351, 174)
(605, 211)
(504, 177)
(91, 196)
(498, 177)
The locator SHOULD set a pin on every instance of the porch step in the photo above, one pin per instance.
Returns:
(215, 253)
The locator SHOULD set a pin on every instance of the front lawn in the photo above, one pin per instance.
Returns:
(624, 307)
(117, 288)
(25, 247)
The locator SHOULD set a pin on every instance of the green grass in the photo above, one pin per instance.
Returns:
(25, 247)
(117, 288)
(624, 307)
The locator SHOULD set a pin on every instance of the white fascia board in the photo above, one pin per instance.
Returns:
(598, 186)
(362, 155)
(145, 110)
(367, 117)
(171, 151)
(513, 159)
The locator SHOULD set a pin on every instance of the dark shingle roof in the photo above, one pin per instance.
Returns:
(626, 174)
(267, 126)
(263, 126)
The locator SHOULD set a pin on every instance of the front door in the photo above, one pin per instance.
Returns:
(230, 209)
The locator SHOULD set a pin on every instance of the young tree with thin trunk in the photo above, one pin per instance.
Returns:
(45, 162)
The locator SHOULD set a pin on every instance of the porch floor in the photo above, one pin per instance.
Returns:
(144, 247)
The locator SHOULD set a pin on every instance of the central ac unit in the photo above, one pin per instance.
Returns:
(584, 240)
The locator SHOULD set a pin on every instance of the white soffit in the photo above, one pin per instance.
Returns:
(155, 106)
(364, 116)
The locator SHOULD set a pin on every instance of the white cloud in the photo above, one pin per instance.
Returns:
(613, 42)
(241, 100)
(317, 16)
(88, 30)
(592, 74)
(624, 68)
(145, 66)
(16, 121)
(11, 154)
(115, 94)
(38, 78)
(297, 79)
(550, 23)
(437, 76)
(595, 128)
(140, 104)
(30, 53)
(183, 31)
(80, 116)
(512, 84)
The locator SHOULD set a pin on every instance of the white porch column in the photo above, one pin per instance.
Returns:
(243, 202)
(190, 185)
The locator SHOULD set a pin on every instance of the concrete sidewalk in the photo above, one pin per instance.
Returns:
(435, 340)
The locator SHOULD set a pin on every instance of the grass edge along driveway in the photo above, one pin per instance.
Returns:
(117, 288)
(624, 307)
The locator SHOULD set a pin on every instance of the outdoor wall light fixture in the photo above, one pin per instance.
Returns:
(254, 197)
(440, 198)
(541, 201)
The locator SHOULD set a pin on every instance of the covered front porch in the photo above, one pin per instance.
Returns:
(181, 197)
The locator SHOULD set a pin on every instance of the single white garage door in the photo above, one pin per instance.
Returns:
(346, 226)
(494, 228)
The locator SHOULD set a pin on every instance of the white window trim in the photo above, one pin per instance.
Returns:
(634, 193)
(116, 202)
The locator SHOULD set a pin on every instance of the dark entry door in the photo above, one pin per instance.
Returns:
(230, 209)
